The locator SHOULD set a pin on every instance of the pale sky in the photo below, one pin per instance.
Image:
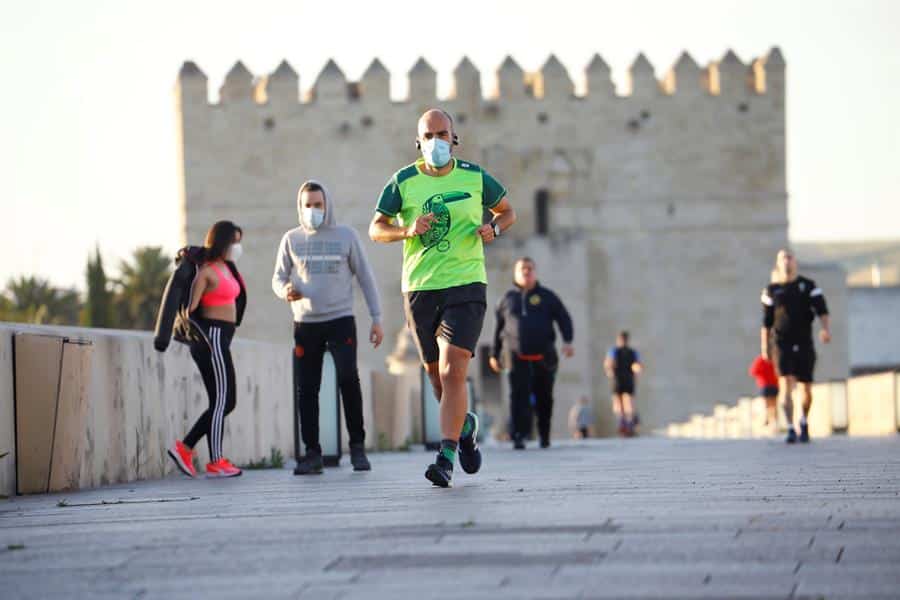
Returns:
(88, 123)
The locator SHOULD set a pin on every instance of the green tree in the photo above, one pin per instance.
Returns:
(98, 307)
(35, 300)
(140, 286)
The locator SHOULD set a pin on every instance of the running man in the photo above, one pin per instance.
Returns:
(622, 366)
(435, 207)
(525, 334)
(790, 305)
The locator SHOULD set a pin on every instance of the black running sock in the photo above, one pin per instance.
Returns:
(448, 450)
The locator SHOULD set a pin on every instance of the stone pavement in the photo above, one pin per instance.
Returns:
(640, 518)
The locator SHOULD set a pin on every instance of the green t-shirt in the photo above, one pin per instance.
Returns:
(451, 253)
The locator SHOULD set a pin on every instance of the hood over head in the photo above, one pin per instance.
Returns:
(329, 203)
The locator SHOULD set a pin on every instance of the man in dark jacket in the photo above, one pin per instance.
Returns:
(525, 333)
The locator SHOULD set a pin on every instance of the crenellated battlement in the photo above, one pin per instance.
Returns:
(728, 76)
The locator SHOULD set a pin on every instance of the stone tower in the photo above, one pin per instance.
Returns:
(658, 212)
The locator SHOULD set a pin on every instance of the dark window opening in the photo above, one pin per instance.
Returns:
(269, 123)
(743, 107)
(542, 118)
(645, 114)
(367, 121)
(542, 212)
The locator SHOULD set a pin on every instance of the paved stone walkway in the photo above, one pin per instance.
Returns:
(642, 518)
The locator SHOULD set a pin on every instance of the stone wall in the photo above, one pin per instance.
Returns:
(140, 401)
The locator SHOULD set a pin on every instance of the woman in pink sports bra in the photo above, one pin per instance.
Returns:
(213, 313)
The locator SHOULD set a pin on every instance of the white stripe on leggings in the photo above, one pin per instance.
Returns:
(219, 421)
(213, 441)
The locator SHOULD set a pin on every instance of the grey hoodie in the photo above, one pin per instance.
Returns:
(320, 264)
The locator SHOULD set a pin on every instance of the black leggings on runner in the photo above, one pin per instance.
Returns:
(213, 358)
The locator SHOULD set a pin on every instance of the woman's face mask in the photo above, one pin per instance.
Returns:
(312, 218)
(436, 152)
(234, 254)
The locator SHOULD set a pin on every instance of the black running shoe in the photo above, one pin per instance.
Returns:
(791, 436)
(358, 458)
(440, 473)
(545, 442)
(518, 443)
(310, 465)
(804, 433)
(469, 453)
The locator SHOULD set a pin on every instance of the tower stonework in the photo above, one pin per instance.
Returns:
(664, 208)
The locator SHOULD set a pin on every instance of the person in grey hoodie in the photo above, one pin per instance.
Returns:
(314, 273)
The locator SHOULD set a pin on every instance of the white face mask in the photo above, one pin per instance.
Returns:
(312, 217)
(235, 253)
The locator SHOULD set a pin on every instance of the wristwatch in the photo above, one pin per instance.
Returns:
(496, 229)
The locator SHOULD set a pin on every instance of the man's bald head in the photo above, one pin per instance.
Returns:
(435, 123)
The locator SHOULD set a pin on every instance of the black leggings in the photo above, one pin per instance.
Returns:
(213, 358)
(311, 341)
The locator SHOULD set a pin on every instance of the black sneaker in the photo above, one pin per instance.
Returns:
(310, 465)
(469, 453)
(358, 458)
(791, 436)
(518, 443)
(545, 443)
(440, 473)
(804, 433)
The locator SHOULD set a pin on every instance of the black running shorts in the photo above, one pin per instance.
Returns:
(622, 386)
(455, 314)
(796, 360)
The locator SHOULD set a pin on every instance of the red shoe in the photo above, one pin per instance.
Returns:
(222, 468)
(184, 458)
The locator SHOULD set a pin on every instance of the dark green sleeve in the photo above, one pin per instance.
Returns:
(390, 201)
(492, 190)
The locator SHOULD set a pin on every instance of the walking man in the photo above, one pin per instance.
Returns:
(314, 273)
(790, 305)
(435, 207)
(622, 366)
(524, 331)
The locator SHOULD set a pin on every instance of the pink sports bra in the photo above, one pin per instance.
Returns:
(225, 293)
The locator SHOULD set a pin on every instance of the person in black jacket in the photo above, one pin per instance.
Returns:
(525, 333)
(790, 305)
(203, 304)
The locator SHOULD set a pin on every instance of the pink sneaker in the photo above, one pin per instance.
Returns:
(222, 468)
(184, 458)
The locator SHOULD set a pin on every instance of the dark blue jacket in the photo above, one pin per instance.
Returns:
(525, 322)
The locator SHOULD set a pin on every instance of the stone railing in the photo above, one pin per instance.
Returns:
(867, 405)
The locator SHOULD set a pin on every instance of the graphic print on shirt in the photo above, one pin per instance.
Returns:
(320, 257)
(436, 205)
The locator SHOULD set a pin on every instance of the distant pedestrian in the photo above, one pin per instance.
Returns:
(581, 419)
(763, 371)
(622, 366)
(524, 332)
(790, 305)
